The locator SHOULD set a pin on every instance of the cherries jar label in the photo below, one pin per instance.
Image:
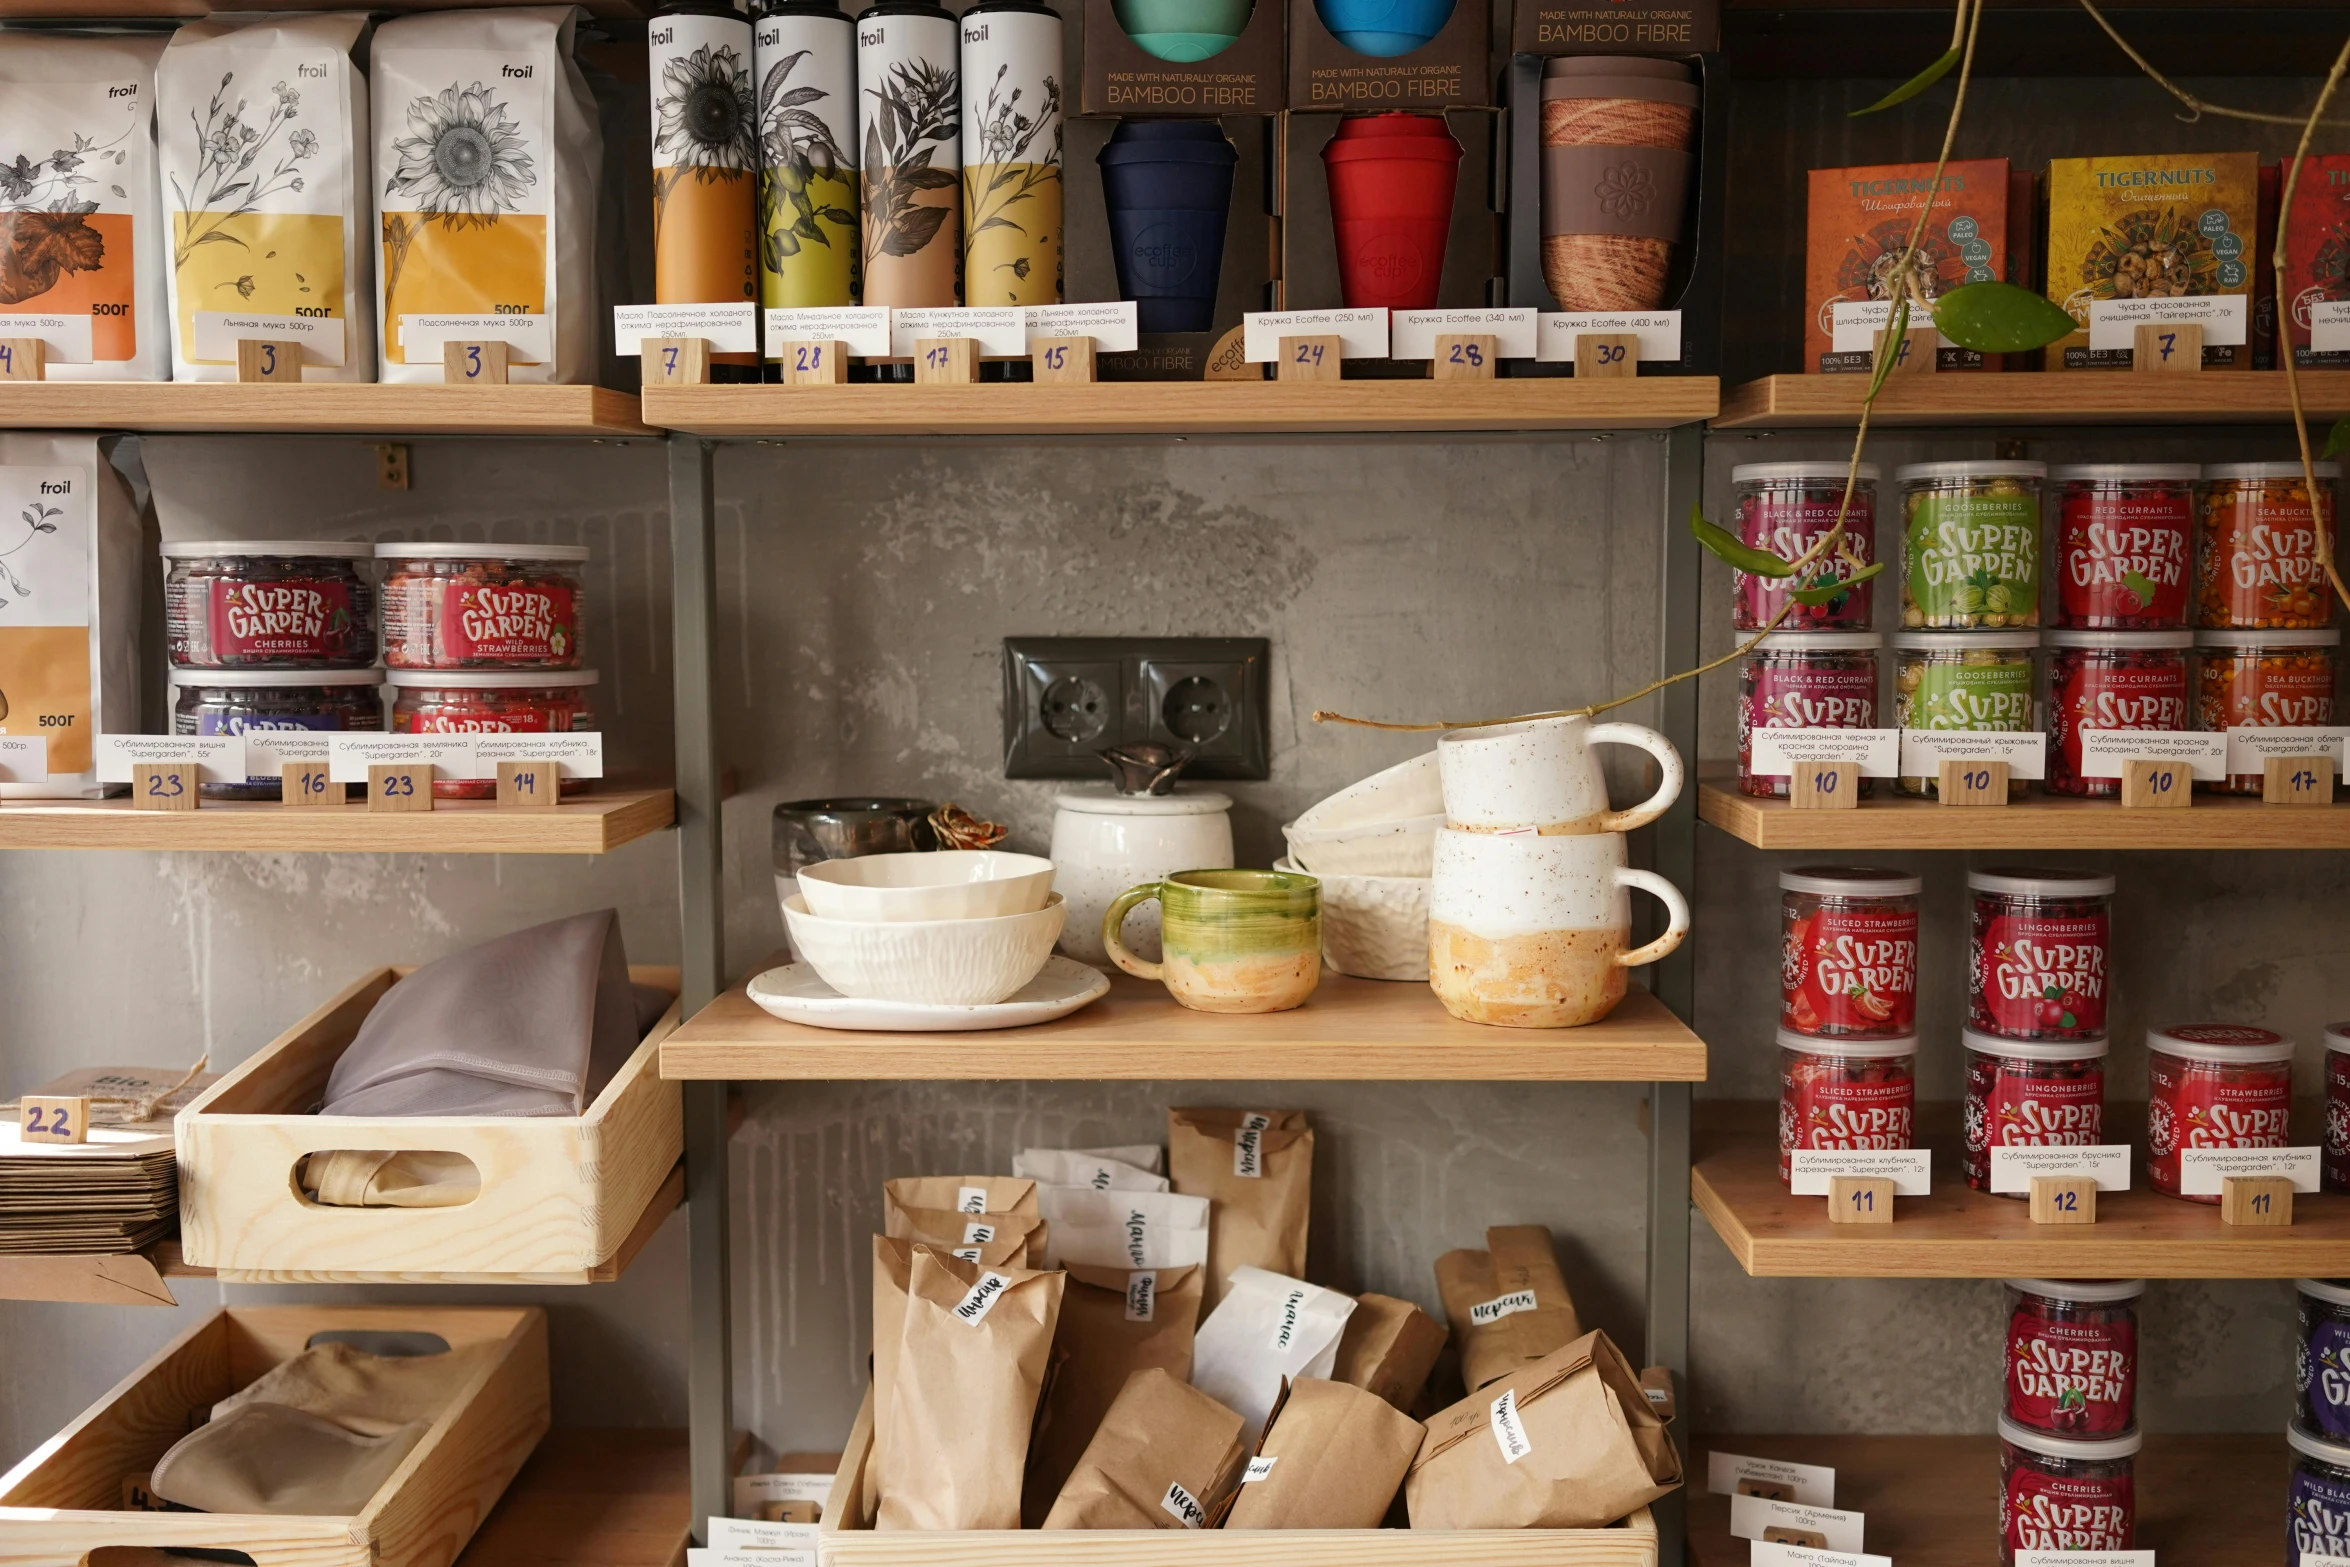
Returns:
(2044, 1512)
(2037, 974)
(2071, 1378)
(2125, 541)
(290, 619)
(1851, 970)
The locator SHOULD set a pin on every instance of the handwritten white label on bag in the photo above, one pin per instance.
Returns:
(2249, 748)
(1259, 1469)
(1856, 323)
(1361, 334)
(1751, 1515)
(729, 329)
(65, 338)
(1877, 752)
(968, 1253)
(1138, 1248)
(1767, 1553)
(1286, 1333)
(2105, 753)
(1814, 1485)
(1114, 325)
(865, 328)
(1412, 334)
(2012, 1169)
(997, 329)
(529, 338)
(1508, 1430)
(1248, 1145)
(1181, 1506)
(1923, 751)
(970, 1199)
(978, 1234)
(1909, 1169)
(972, 1310)
(1142, 1296)
(2103, 1559)
(1659, 332)
(573, 755)
(2114, 323)
(24, 758)
(2201, 1170)
(217, 333)
(1503, 1306)
(217, 758)
(348, 756)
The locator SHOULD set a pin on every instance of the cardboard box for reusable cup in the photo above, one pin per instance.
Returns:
(1182, 57)
(1389, 54)
(1675, 27)
(1860, 221)
(2175, 225)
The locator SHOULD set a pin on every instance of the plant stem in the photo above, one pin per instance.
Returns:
(2322, 517)
(2196, 107)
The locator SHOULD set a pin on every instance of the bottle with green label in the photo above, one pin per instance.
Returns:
(1970, 545)
(1978, 681)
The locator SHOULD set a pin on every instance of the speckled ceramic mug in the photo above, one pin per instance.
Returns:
(1235, 941)
(1544, 775)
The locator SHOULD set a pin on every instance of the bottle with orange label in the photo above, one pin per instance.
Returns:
(705, 164)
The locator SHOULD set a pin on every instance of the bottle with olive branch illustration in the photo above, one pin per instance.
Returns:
(1011, 154)
(705, 164)
(806, 84)
(909, 125)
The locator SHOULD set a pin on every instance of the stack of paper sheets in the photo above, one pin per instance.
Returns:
(118, 1192)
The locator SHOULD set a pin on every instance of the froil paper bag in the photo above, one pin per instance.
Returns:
(971, 1361)
(1257, 1167)
(1123, 1229)
(1114, 1322)
(1332, 1458)
(1099, 1171)
(1508, 1304)
(1566, 1443)
(1389, 1348)
(893, 1268)
(1267, 1329)
(1166, 1457)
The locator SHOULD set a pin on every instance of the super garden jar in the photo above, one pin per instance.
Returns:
(2213, 1085)
(257, 701)
(2123, 545)
(2256, 566)
(482, 606)
(2070, 1362)
(2036, 953)
(1804, 680)
(2030, 1094)
(2111, 680)
(2321, 1357)
(1844, 1094)
(1786, 508)
(491, 702)
(273, 604)
(2334, 1171)
(1848, 952)
(2263, 680)
(1970, 545)
(2317, 1499)
(2061, 1494)
(1971, 680)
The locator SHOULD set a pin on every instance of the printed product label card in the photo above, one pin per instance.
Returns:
(2095, 1559)
(730, 329)
(751, 1492)
(1659, 332)
(1412, 334)
(530, 337)
(1814, 1485)
(2106, 752)
(1877, 752)
(66, 339)
(2114, 323)
(2329, 333)
(218, 332)
(865, 328)
(1911, 1170)
(750, 1534)
(1858, 321)
(1114, 325)
(24, 758)
(801, 1555)
(574, 755)
(1923, 751)
(2201, 1170)
(1751, 1515)
(1361, 334)
(218, 759)
(2249, 748)
(998, 329)
(348, 756)
(268, 750)
(1765, 1553)
(2012, 1169)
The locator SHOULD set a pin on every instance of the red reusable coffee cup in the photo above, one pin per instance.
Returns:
(1391, 188)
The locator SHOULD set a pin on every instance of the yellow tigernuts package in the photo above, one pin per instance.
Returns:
(2158, 226)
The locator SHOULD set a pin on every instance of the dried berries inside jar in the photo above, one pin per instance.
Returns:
(2071, 1355)
(269, 605)
(1965, 680)
(1787, 508)
(2213, 1085)
(483, 606)
(2025, 1094)
(2317, 1499)
(1842, 1095)
(2125, 537)
(1970, 544)
(1804, 680)
(2263, 680)
(2257, 567)
(1848, 952)
(556, 702)
(2336, 1159)
(2135, 680)
(255, 703)
(2036, 953)
(2059, 1494)
(2321, 1358)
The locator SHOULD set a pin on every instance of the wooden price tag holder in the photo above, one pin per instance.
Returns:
(814, 361)
(23, 359)
(1860, 1199)
(1824, 786)
(1972, 783)
(2064, 1199)
(946, 361)
(404, 786)
(1465, 356)
(165, 786)
(2297, 780)
(2166, 346)
(476, 364)
(2256, 1200)
(528, 785)
(675, 361)
(268, 360)
(1608, 355)
(307, 785)
(1920, 352)
(53, 1118)
(2157, 786)
(1315, 358)
(1065, 360)
(1781, 1534)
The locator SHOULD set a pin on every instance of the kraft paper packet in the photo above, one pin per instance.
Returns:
(1098, 1171)
(1333, 1457)
(1389, 1348)
(958, 1232)
(956, 1194)
(1257, 1167)
(893, 1267)
(1508, 1304)
(971, 1362)
(1166, 1457)
(1566, 1443)
(1124, 1229)
(1114, 1322)
(1268, 1329)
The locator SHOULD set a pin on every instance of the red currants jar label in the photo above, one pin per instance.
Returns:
(1851, 970)
(2038, 975)
(2099, 688)
(2068, 1378)
(2123, 555)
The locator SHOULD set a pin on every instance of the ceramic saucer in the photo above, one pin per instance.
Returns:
(795, 994)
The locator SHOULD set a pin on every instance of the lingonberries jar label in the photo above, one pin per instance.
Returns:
(2022, 1095)
(1839, 1096)
(2125, 540)
(2040, 976)
(2214, 1085)
(2072, 1359)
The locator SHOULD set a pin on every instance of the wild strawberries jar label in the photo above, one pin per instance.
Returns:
(2039, 1511)
(529, 625)
(1832, 1100)
(2214, 1085)
(2071, 1378)
(2039, 975)
(2015, 1101)
(2125, 539)
(1851, 970)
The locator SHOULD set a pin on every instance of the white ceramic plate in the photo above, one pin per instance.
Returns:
(795, 994)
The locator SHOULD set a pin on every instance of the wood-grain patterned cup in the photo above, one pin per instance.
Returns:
(1616, 169)
(1235, 941)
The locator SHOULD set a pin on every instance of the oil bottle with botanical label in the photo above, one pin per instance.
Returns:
(705, 164)
(909, 129)
(1011, 154)
(806, 91)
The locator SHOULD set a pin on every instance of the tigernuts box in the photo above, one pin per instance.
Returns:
(1858, 225)
(2175, 225)
(2317, 259)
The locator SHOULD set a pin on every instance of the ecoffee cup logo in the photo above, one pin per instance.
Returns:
(1392, 264)
(1165, 256)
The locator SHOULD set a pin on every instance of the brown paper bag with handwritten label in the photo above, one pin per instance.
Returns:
(974, 1194)
(1166, 1456)
(1332, 1458)
(963, 1232)
(1566, 1443)
(893, 1264)
(1389, 1348)
(1508, 1304)
(1114, 1322)
(1257, 1168)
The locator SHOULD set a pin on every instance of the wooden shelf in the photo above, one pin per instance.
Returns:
(592, 824)
(1186, 407)
(1932, 1501)
(1960, 1234)
(1893, 821)
(1789, 402)
(592, 1498)
(320, 408)
(1353, 1029)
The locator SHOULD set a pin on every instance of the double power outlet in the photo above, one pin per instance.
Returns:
(1066, 698)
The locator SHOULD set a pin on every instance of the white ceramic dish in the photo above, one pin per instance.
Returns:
(798, 994)
(1373, 927)
(1383, 825)
(958, 963)
(951, 884)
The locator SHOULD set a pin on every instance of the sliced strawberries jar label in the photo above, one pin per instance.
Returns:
(1829, 1100)
(1851, 970)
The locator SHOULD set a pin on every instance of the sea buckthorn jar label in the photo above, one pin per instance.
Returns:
(2259, 565)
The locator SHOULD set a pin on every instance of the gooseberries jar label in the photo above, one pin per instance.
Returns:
(1972, 560)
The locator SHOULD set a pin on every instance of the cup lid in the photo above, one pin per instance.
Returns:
(2307, 637)
(269, 549)
(1393, 149)
(1851, 881)
(1823, 472)
(1105, 801)
(2338, 1036)
(482, 551)
(2268, 470)
(2334, 1292)
(2309, 1444)
(2033, 882)
(2121, 640)
(2095, 1292)
(1392, 122)
(2034, 1049)
(267, 679)
(1846, 1048)
(1970, 470)
(2075, 1448)
(492, 679)
(1963, 641)
(2220, 1042)
(1131, 130)
(2127, 472)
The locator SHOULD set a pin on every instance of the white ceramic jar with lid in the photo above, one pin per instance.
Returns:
(1105, 842)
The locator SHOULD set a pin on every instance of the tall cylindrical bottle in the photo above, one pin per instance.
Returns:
(909, 135)
(705, 162)
(1011, 154)
(806, 75)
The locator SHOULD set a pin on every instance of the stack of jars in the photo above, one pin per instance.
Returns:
(2068, 1424)
(2035, 1041)
(2317, 1514)
(2267, 641)
(1847, 1010)
(1970, 598)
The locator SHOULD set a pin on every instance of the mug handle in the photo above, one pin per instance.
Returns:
(1114, 922)
(1676, 914)
(1667, 758)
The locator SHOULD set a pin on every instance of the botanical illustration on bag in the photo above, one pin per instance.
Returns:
(912, 193)
(808, 245)
(66, 217)
(705, 161)
(1012, 174)
(456, 234)
(278, 263)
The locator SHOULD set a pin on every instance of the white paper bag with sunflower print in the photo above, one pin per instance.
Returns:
(81, 229)
(263, 139)
(488, 155)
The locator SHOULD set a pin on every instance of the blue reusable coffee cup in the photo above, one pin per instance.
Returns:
(1167, 185)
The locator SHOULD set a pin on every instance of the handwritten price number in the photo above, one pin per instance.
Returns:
(1864, 1201)
(1309, 353)
(2161, 781)
(1613, 353)
(1472, 355)
(2169, 342)
(156, 789)
(399, 785)
(2260, 1202)
(2304, 780)
(937, 358)
(1056, 357)
(669, 360)
(312, 782)
(808, 358)
(7, 358)
(526, 783)
(1977, 778)
(35, 1127)
(1825, 783)
(269, 358)
(2068, 1202)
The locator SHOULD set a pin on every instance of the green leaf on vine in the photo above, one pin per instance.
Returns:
(1915, 85)
(2337, 439)
(1830, 592)
(1745, 557)
(2000, 318)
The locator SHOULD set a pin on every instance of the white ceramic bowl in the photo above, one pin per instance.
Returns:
(956, 963)
(1374, 927)
(1384, 825)
(951, 884)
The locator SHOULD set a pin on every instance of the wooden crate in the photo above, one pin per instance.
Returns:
(850, 1540)
(558, 1196)
(65, 1501)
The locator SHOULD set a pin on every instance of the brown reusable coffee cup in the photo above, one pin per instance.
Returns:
(1616, 167)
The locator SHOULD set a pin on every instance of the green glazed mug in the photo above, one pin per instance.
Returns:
(1235, 941)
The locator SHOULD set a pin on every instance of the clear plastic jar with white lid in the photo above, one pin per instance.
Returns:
(2030, 1093)
(2213, 1085)
(1787, 508)
(2335, 1162)
(1845, 1094)
(1970, 544)
(1804, 680)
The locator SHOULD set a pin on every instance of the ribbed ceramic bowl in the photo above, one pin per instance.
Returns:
(956, 963)
(1383, 825)
(951, 884)
(1374, 927)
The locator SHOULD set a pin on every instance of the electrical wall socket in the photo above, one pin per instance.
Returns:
(1067, 697)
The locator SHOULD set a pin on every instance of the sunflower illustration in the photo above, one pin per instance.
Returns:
(463, 159)
(708, 121)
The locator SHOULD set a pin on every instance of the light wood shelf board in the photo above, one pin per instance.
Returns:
(590, 824)
(1932, 1501)
(2037, 821)
(1351, 1029)
(1186, 407)
(1788, 402)
(331, 408)
(592, 1498)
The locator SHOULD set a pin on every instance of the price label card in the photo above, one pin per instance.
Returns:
(1923, 751)
(574, 755)
(529, 336)
(2093, 1559)
(1751, 1515)
(2114, 323)
(2314, 1559)
(1858, 321)
(1911, 1170)
(1114, 325)
(1412, 334)
(2012, 1169)
(218, 759)
(752, 1492)
(1763, 1553)
(1361, 334)
(730, 329)
(219, 331)
(1659, 332)
(65, 338)
(2249, 748)
(349, 756)
(865, 328)
(749, 1534)
(24, 758)
(268, 750)
(999, 330)
(1877, 752)
(2329, 333)
(2201, 1170)
(803, 1554)
(2106, 752)
(1814, 1485)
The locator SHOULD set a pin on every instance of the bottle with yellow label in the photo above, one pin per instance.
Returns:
(806, 90)
(705, 164)
(1011, 154)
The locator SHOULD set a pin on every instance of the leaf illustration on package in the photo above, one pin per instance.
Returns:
(228, 182)
(917, 104)
(37, 519)
(44, 212)
(797, 147)
(1014, 168)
